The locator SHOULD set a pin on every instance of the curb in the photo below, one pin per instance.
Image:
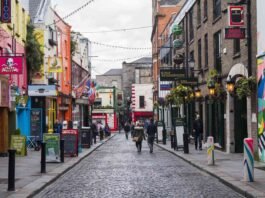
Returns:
(36, 191)
(227, 183)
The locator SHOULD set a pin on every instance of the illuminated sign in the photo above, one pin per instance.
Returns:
(236, 16)
(6, 11)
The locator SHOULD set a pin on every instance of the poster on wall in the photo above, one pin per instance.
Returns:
(11, 64)
(52, 147)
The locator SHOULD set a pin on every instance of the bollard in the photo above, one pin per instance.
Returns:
(164, 132)
(210, 150)
(43, 158)
(248, 160)
(11, 170)
(186, 143)
(62, 150)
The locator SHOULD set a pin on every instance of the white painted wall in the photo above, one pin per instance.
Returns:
(142, 90)
(104, 94)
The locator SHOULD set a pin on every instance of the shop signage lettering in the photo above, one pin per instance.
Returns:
(235, 33)
(172, 74)
(6, 11)
(11, 65)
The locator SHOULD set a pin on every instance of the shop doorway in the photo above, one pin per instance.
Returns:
(240, 106)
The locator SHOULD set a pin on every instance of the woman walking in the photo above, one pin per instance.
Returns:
(138, 137)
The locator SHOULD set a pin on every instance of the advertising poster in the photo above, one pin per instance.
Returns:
(52, 147)
(19, 143)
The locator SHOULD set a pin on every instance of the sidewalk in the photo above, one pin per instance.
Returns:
(29, 180)
(228, 168)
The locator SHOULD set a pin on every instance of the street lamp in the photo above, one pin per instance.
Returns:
(230, 85)
(197, 93)
(211, 88)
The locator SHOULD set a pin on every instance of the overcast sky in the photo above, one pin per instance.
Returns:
(104, 15)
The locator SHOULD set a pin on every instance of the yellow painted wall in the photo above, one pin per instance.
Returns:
(18, 25)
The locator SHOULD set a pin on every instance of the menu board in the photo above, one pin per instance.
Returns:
(36, 122)
(19, 144)
(52, 141)
(70, 142)
(86, 138)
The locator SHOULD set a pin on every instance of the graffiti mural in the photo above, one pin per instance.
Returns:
(261, 107)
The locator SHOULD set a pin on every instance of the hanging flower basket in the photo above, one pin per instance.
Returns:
(177, 44)
(244, 87)
(177, 30)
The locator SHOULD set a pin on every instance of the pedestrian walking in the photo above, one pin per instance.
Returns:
(107, 130)
(198, 131)
(127, 129)
(132, 129)
(138, 137)
(151, 132)
(94, 132)
(57, 127)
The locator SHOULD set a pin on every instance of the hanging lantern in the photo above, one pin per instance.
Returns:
(198, 93)
(211, 88)
(177, 30)
(178, 59)
(177, 44)
(230, 85)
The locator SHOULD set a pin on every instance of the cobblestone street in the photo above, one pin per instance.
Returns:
(116, 169)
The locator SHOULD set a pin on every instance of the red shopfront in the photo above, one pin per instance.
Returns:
(141, 115)
(106, 117)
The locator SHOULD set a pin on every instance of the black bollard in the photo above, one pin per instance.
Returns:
(164, 132)
(43, 158)
(62, 150)
(11, 170)
(186, 143)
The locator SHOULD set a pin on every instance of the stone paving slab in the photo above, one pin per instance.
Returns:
(29, 180)
(228, 168)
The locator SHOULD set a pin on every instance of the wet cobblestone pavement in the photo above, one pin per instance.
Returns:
(117, 170)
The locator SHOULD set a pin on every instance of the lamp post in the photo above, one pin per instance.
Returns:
(211, 88)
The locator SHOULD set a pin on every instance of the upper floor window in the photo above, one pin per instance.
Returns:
(206, 50)
(216, 8)
(199, 54)
(141, 102)
(191, 24)
(198, 12)
(236, 46)
(217, 51)
(205, 8)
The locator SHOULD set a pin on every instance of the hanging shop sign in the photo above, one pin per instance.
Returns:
(236, 16)
(55, 65)
(235, 33)
(171, 74)
(4, 92)
(6, 11)
(189, 81)
(42, 90)
(21, 100)
(11, 64)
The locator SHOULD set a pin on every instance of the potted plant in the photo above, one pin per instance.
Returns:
(244, 86)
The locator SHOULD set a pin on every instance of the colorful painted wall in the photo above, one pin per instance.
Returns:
(261, 77)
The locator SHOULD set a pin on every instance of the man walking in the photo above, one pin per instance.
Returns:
(198, 130)
(151, 131)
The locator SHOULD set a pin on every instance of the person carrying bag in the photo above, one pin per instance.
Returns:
(138, 137)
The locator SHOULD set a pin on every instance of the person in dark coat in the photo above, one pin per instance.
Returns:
(57, 127)
(151, 132)
(127, 129)
(198, 131)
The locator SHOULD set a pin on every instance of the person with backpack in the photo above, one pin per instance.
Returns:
(151, 132)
